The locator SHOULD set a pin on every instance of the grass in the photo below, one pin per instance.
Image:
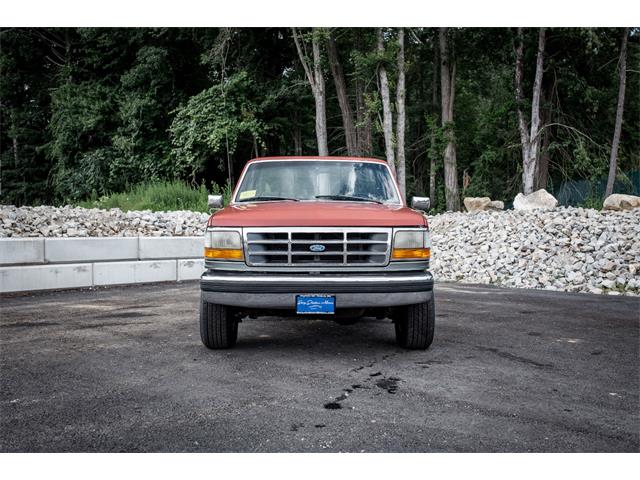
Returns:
(160, 196)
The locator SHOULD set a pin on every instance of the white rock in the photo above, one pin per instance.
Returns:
(571, 249)
(618, 201)
(478, 204)
(540, 199)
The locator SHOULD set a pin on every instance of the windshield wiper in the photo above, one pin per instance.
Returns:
(348, 198)
(267, 198)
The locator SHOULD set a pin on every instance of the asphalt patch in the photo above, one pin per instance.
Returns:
(389, 384)
(516, 358)
(110, 324)
(127, 315)
(29, 324)
(156, 388)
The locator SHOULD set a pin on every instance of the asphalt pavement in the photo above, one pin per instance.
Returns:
(123, 369)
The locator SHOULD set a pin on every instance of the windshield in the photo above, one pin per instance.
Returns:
(317, 180)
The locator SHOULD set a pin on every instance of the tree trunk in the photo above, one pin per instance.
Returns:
(542, 175)
(14, 140)
(447, 81)
(530, 140)
(542, 172)
(297, 134)
(363, 121)
(400, 116)
(316, 81)
(433, 153)
(343, 97)
(613, 159)
(321, 111)
(530, 165)
(387, 115)
(522, 122)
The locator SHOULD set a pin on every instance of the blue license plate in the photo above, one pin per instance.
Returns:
(324, 304)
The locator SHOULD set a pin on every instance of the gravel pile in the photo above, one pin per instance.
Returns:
(83, 222)
(570, 249)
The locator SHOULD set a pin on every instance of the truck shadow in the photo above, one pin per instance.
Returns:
(314, 334)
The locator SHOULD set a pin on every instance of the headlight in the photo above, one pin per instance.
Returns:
(223, 245)
(411, 245)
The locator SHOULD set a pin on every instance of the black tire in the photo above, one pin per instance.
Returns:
(218, 328)
(415, 325)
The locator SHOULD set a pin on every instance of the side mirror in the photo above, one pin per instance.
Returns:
(420, 203)
(215, 201)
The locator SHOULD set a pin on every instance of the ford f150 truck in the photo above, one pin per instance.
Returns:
(317, 236)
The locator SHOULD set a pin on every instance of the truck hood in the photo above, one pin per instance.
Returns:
(316, 214)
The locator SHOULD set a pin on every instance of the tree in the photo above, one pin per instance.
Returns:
(140, 142)
(447, 95)
(87, 112)
(387, 115)
(542, 166)
(363, 114)
(622, 72)
(400, 117)
(213, 124)
(433, 155)
(343, 97)
(315, 78)
(24, 106)
(530, 140)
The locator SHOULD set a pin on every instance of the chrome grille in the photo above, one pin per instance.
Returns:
(289, 246)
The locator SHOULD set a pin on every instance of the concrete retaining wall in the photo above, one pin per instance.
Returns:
(29, 264)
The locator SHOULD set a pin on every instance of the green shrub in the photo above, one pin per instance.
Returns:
(161, 196)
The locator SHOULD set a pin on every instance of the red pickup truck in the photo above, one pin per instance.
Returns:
(315, 236)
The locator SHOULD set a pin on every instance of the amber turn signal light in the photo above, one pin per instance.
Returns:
(223, 253)
(411, 253)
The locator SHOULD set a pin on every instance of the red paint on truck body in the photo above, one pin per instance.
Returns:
(315, 213)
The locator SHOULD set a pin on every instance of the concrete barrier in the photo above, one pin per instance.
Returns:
(61, 250)
(152, 248)
(28, 264)
(21, 250)
(45, 277)
(117, 273)
(190, 269)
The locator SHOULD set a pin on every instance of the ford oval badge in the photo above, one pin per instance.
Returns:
(317, 247)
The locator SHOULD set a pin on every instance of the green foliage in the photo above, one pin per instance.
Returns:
(160, 196)
(591, 202)
(213, 122)
(94, 112)
(24, 113)
(140, 143)
(486, 132)
(81, 119)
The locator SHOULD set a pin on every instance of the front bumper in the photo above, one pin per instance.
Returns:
(278, 291)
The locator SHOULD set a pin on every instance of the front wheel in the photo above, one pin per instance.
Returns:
(415, 325)
(218, 328)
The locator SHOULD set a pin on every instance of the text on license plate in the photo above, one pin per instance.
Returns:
(315, 304)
